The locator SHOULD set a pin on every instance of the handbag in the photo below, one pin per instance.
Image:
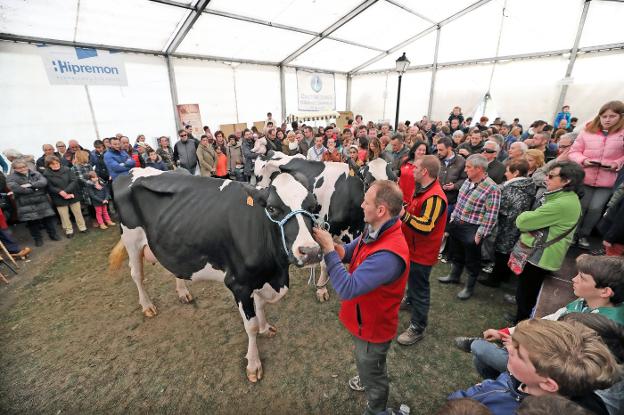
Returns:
(521, 252)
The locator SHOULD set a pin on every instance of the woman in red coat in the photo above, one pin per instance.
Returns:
(406, 178)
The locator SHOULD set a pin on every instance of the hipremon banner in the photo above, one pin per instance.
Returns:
(83, 66)
(316, 91)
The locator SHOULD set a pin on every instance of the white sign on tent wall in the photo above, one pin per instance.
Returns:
(316, 91)
(83, 66)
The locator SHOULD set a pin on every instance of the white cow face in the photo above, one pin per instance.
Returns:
(285, 195)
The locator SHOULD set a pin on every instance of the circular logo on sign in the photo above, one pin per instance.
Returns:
(316, 83)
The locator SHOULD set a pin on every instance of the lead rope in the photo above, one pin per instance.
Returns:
(315, 218)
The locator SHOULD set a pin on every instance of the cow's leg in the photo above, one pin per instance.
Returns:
(322, 294)
(254, 365)
(184, 295)
(135, 241)
(266, 295)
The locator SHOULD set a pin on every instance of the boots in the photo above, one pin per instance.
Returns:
(453, 277)
(468, 290)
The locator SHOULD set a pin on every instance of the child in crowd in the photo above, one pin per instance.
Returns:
(154, 160)
(549, 358)
(599, 288)
(463, 406)
(99, 197)
(549, 405)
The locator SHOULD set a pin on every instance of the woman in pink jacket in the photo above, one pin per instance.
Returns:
(599, 148)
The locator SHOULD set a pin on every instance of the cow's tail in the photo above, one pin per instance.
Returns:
(117, 256)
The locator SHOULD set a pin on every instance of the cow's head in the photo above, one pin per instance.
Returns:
(377, 169)
(268, 166)
(289, 204)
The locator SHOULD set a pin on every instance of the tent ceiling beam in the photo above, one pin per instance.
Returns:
(331, 29)
(508, 58)
(407, 9)
(573, 54)
(434, 71)
(425, 32)
(186, 26)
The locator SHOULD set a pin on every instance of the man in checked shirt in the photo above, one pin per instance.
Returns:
(472, 220)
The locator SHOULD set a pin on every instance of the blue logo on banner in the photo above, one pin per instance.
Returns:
(84, 53)
(315, 83)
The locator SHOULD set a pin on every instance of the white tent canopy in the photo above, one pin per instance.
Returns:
(237, 60)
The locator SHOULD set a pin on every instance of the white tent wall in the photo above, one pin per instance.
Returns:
(257, 92)
(597, 79)
(143, 107)
(33, 112)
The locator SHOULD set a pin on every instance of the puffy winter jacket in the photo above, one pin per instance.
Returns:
(32, 202)
(501, 396)
(600, 148)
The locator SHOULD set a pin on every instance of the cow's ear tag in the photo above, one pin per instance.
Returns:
(250, 200)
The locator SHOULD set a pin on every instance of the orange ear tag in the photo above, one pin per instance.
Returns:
(250, 200)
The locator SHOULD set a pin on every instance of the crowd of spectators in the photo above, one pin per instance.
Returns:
(491, 187)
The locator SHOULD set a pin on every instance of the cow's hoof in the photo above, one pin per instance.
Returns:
(254, 375)
(322, 294)
(185, 297)
(270, 332)
(150, 311)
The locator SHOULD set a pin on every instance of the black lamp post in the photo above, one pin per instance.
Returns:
(401, 66)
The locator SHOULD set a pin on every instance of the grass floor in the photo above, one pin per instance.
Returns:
(74, 341)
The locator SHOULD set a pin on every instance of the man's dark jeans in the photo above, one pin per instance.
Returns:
(418, 294)
(464, 251)
(370, 359)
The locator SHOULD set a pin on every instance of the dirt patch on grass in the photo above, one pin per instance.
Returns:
(74, 340)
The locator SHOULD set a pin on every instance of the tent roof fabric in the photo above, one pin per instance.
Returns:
(350, 36)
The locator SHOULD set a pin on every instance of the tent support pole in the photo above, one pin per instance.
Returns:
(573, 54)
(174, 91)
(282, 72)
(434, 71)
(348, 100)
(95, 126)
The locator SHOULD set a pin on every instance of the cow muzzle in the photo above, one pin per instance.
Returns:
(309, 255)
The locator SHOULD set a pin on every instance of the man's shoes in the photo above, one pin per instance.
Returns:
(355, 384)
(583, 243)
(55, 237)
(39, 242)
(448, 280)
(405, 306)
(510, 298)
(465, 294)
(488, 269)
(464, 343)
(410, 336)
(442, 258)
(490, 281)
(511, 318)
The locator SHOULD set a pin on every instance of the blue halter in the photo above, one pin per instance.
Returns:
(315, 218)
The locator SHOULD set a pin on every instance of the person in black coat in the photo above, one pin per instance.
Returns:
(612, 226)
(31, 199)
(496, 169)
(64, 190)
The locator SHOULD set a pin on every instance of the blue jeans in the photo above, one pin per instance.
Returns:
(489, 359)
(418, 294)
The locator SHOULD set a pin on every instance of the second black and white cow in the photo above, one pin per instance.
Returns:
(200, 228)
(339, 194)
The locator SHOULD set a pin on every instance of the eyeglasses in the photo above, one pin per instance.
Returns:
(488, 150)
(552, 176)
(183, 135)
(60, 146)
(562, 146)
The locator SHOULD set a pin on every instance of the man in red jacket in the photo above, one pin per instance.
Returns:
(424, 221)
(371, 293)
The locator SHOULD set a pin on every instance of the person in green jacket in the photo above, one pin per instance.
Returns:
(558, 214)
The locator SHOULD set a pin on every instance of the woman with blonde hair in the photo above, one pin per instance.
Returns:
(599, 148)
(290, 145)
(535, 158)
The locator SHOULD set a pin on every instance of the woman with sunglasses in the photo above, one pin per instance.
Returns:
(599, 148)
(555, 220)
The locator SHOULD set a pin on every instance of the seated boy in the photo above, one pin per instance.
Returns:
(549, 358)
(599, 286)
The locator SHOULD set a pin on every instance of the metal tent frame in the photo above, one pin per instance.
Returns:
(201, 7)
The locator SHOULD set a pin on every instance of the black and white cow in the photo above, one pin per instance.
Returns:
(378, 169)
(210, 229)
(339, 194)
